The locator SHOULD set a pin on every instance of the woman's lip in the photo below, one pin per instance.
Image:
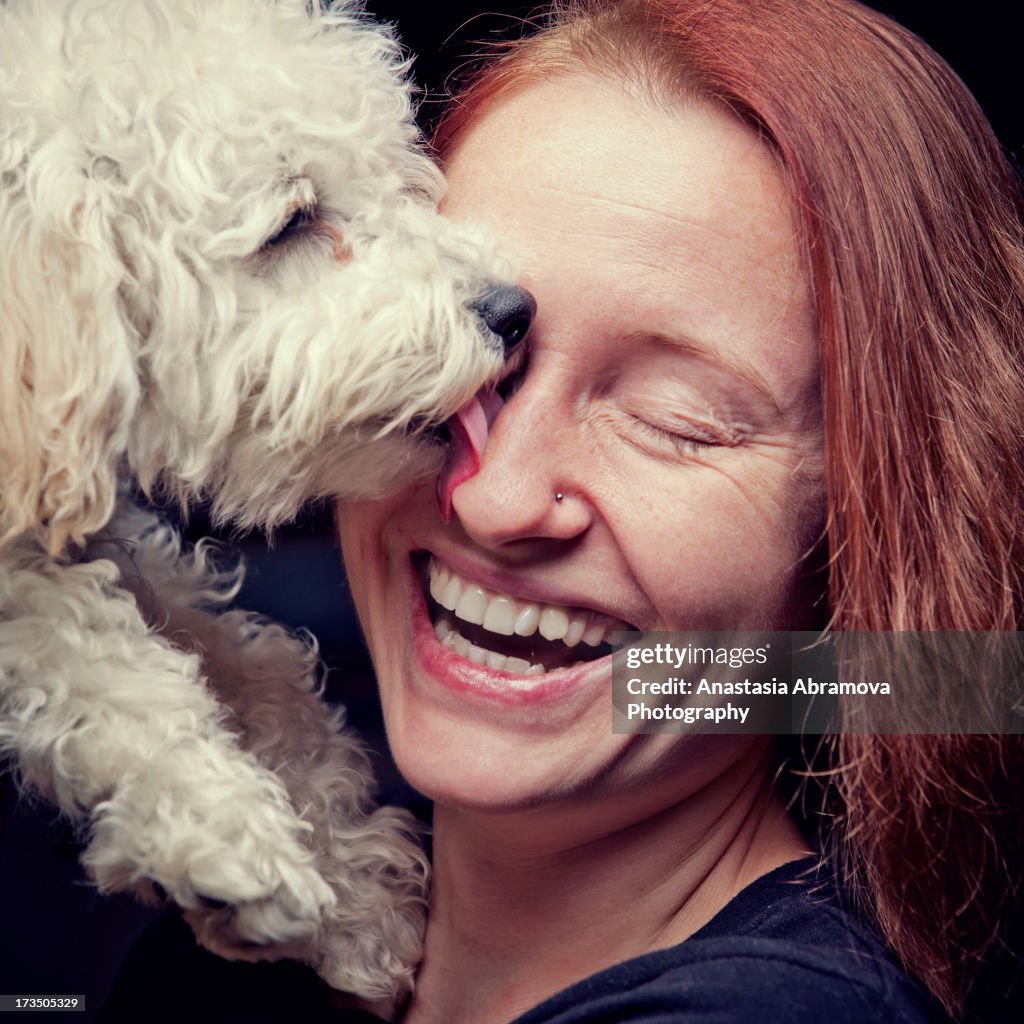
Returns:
(467, 678)
(515, 586)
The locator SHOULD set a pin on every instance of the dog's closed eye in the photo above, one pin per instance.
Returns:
(298, 222)
(302, 219)
(304, 222)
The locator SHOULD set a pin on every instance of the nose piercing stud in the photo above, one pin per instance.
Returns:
(559, 496)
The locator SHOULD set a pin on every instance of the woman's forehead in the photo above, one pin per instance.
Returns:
(581, 141)
(678, 215)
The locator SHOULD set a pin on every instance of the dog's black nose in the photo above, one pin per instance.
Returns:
(507, 311)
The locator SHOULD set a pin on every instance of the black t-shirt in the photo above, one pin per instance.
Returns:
(783, 951)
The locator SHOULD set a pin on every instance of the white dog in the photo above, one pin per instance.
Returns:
(222, 276)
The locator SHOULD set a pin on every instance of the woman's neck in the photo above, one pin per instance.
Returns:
(525, 904)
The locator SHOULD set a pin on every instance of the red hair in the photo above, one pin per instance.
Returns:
(910, 221)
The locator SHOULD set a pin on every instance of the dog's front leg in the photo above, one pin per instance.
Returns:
(371, 938)
(116, 727)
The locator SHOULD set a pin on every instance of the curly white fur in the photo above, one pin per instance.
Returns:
(222, 274)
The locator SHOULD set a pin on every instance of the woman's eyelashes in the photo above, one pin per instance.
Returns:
(671, 421)
(684, 439)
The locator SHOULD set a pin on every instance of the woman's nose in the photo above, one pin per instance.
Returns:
(525, 488)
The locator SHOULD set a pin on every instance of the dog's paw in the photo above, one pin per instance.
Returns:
(237, 868)
(284, 924)
(240, 910)
(243, 907)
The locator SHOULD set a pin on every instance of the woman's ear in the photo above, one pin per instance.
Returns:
(69, 384)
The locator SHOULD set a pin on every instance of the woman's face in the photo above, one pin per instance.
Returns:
(670, 396)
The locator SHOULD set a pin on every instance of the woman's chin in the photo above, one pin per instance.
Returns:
(472, 790)
(471, 765)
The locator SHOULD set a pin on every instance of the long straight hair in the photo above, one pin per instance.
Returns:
(909, 218)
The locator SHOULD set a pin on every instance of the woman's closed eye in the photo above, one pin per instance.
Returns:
(684, 437)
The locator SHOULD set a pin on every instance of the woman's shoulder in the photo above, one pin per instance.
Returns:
(783, 951)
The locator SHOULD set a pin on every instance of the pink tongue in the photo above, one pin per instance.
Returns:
(469, 428)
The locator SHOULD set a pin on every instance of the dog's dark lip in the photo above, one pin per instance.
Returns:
(438, 433)
(421, 426)
(513, 369)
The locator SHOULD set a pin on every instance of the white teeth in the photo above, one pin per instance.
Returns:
(472, 605)
(505, 616)
(574, 634)
(554, 623)
(437, 585)
(450, 598)
(500, 616)
(527, 619)
(454, 641)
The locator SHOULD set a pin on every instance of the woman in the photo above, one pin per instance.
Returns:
(777, 254)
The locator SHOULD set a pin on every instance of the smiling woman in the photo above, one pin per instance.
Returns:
(780, 301)
(670, 397)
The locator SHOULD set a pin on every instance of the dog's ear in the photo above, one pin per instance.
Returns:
(68, 384)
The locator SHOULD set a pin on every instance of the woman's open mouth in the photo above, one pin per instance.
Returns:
(509, 634)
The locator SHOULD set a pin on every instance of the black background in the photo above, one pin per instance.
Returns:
(58, 936)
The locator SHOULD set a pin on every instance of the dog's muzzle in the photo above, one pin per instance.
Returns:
(506, 313)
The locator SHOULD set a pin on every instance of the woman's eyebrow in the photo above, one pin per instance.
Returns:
(714, 356)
